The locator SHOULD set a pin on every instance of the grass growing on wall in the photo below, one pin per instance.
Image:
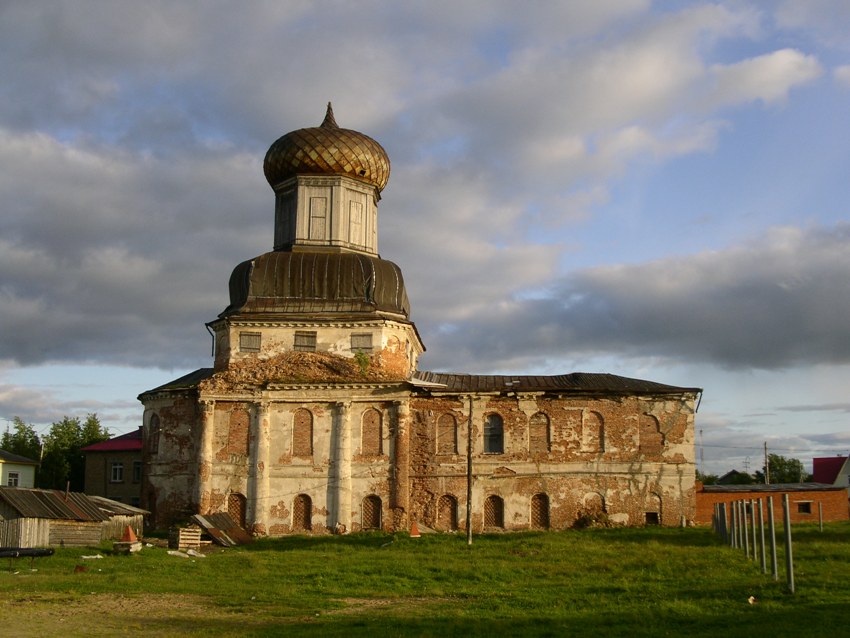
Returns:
(613, 582)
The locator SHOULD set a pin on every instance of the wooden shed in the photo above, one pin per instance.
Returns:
(120, 516)
(40, 518)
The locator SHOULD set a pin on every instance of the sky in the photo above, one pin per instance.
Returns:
(651, 189)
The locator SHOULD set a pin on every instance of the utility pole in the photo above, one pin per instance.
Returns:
(766, 466)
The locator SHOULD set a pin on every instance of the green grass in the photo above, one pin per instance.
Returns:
(620, 582)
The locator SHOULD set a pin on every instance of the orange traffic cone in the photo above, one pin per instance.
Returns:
(414, 530)
(129, 535)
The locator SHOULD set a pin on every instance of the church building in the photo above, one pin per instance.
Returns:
(315, 417)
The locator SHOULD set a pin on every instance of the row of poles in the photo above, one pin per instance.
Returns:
(741, 526)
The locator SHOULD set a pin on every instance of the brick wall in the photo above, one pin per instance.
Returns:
(833, 502)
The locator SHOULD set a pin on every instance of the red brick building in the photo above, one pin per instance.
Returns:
(806, 500)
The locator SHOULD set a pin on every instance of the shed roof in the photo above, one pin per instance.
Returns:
(53, 504)
(772, 488)
(8, 457)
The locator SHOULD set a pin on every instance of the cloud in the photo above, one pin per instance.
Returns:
(842, 75)
(772, 303)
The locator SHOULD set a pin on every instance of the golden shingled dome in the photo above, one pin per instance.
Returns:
(327, 150)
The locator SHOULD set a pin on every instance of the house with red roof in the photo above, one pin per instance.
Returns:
(832, 470)
(114, 468)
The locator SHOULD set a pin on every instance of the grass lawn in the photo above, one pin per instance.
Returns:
(610, 582)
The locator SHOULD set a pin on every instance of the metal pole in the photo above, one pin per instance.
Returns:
(746, 530)
(469, 477)
(772, 532)
(753, 523)
(820, 515)
(789, 553)
(724, 523)
(733, 530)
(761, 533)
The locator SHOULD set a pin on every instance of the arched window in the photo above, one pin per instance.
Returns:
(540, 511)
(447, 513)
(592, 433)
(371, 442)
(371, 512)
(494, 435)
(538, 433)
(153, 434)
(494, 512)
(651, 439)
(302, 433)
(302, 513)
(236, 505)
(447, 434)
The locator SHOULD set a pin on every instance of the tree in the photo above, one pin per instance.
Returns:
(783, 470)
(64, 464)
(707, 479)
(22, 440)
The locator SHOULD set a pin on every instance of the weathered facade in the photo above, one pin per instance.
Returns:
(315, 417)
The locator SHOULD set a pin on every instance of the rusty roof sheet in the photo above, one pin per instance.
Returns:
(317, 282)
(578, 382)
(53, 504)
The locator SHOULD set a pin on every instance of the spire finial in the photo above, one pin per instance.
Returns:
(329, 121)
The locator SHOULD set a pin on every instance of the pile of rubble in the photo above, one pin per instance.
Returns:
(298, 367)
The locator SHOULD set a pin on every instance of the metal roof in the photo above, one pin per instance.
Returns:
(186, 382)
(773, 487)
(53, 504)
(8, 457)
(115, 508)
(129, 442)
(578, 382)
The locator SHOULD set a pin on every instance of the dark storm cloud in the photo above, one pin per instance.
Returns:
(773, 303)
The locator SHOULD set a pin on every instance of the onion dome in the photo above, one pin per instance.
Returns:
(317, 283)
(327, 150)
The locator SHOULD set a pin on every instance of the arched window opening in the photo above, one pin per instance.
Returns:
(494, 512)
(540, 511)
(494, 435)
(651, 439)
(447, 434)
(153, 434)
(593, 433)
(302, 433)
(302, 513)
(371, 512)
(447, 513)
(371, 441)
(538, 434)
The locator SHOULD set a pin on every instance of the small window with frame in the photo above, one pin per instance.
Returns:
(804, 507)
(13, 479)
(361, 342)
(250, 341)
(117, 472)
(305, 341)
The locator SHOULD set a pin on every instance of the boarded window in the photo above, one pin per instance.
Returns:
(355, 223)
(447, 434)
(302, 513)
(302, 433)
(538, 433)
(249, 341)
(494, 512)
(305, 341)
(236, 505)
(371, 441)
(540, 511)
(494, 435)
(318, 217)
(238, 432)
(447, 513)
(651, 439)
(153, 434)
(372, 512)
(361, 342)
(593, 433)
